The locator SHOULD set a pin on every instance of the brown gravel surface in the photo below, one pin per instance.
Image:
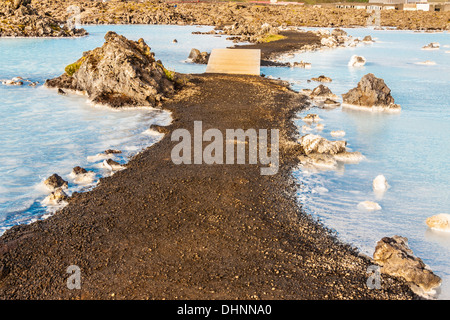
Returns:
(162, 231)
(292, 42)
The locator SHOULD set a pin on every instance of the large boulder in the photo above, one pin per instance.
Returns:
(120, 73)
(397, 259)
(357, 61)
(195, 56)
(371, 92)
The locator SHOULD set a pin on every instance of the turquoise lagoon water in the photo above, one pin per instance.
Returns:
(411, 149)
(42, 132)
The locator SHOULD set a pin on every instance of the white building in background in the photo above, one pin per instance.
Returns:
(407, 5)
(424, 6)
(414, 5)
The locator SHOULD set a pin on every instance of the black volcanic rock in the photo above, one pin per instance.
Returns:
(371, 92)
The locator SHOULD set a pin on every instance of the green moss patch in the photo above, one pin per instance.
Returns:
(72, 68)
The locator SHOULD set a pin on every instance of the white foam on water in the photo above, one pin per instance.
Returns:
(407, 146)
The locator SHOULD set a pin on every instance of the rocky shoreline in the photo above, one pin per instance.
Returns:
(144, 232)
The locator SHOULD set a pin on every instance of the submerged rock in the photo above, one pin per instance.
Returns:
(349, 157)
(322, 78)
(440, 222)
(368, 39)
(112, 165)
(357, 61)
(432, 46)
(318, 161)
(12, 82)
(319, 127)
(81, 176)
(311, 117)
(316, 144)
(112, 151)
(337, 133)
(302, 64)
(380, 183)
(397, 259)
(371, 92)
(120, 73)
(369, 206)
(427, 63)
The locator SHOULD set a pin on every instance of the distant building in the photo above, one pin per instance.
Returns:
(407, 5)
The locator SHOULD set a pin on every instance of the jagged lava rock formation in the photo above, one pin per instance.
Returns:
(120, 73)
(397, 259)
(371, 92)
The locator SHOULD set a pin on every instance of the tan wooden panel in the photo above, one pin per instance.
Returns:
(234, 61)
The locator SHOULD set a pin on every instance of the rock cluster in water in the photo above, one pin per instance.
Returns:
(120, 73)
(321, 153)
(19, 18)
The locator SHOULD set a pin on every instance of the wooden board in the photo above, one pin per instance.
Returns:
(234, 61)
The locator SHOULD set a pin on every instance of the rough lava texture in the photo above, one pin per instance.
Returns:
(19, 18)
(195, 56)
(397, 259)
(120, 73)
(246, 18)
(371, 92)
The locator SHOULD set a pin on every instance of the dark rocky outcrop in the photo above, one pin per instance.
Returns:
(322, 78)
(112, 151)
(79, 170)
(120, 73)
(371, 92)
(55, 181)
(397, 259)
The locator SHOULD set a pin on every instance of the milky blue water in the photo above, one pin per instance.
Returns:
(42, 132)
(411, 149)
